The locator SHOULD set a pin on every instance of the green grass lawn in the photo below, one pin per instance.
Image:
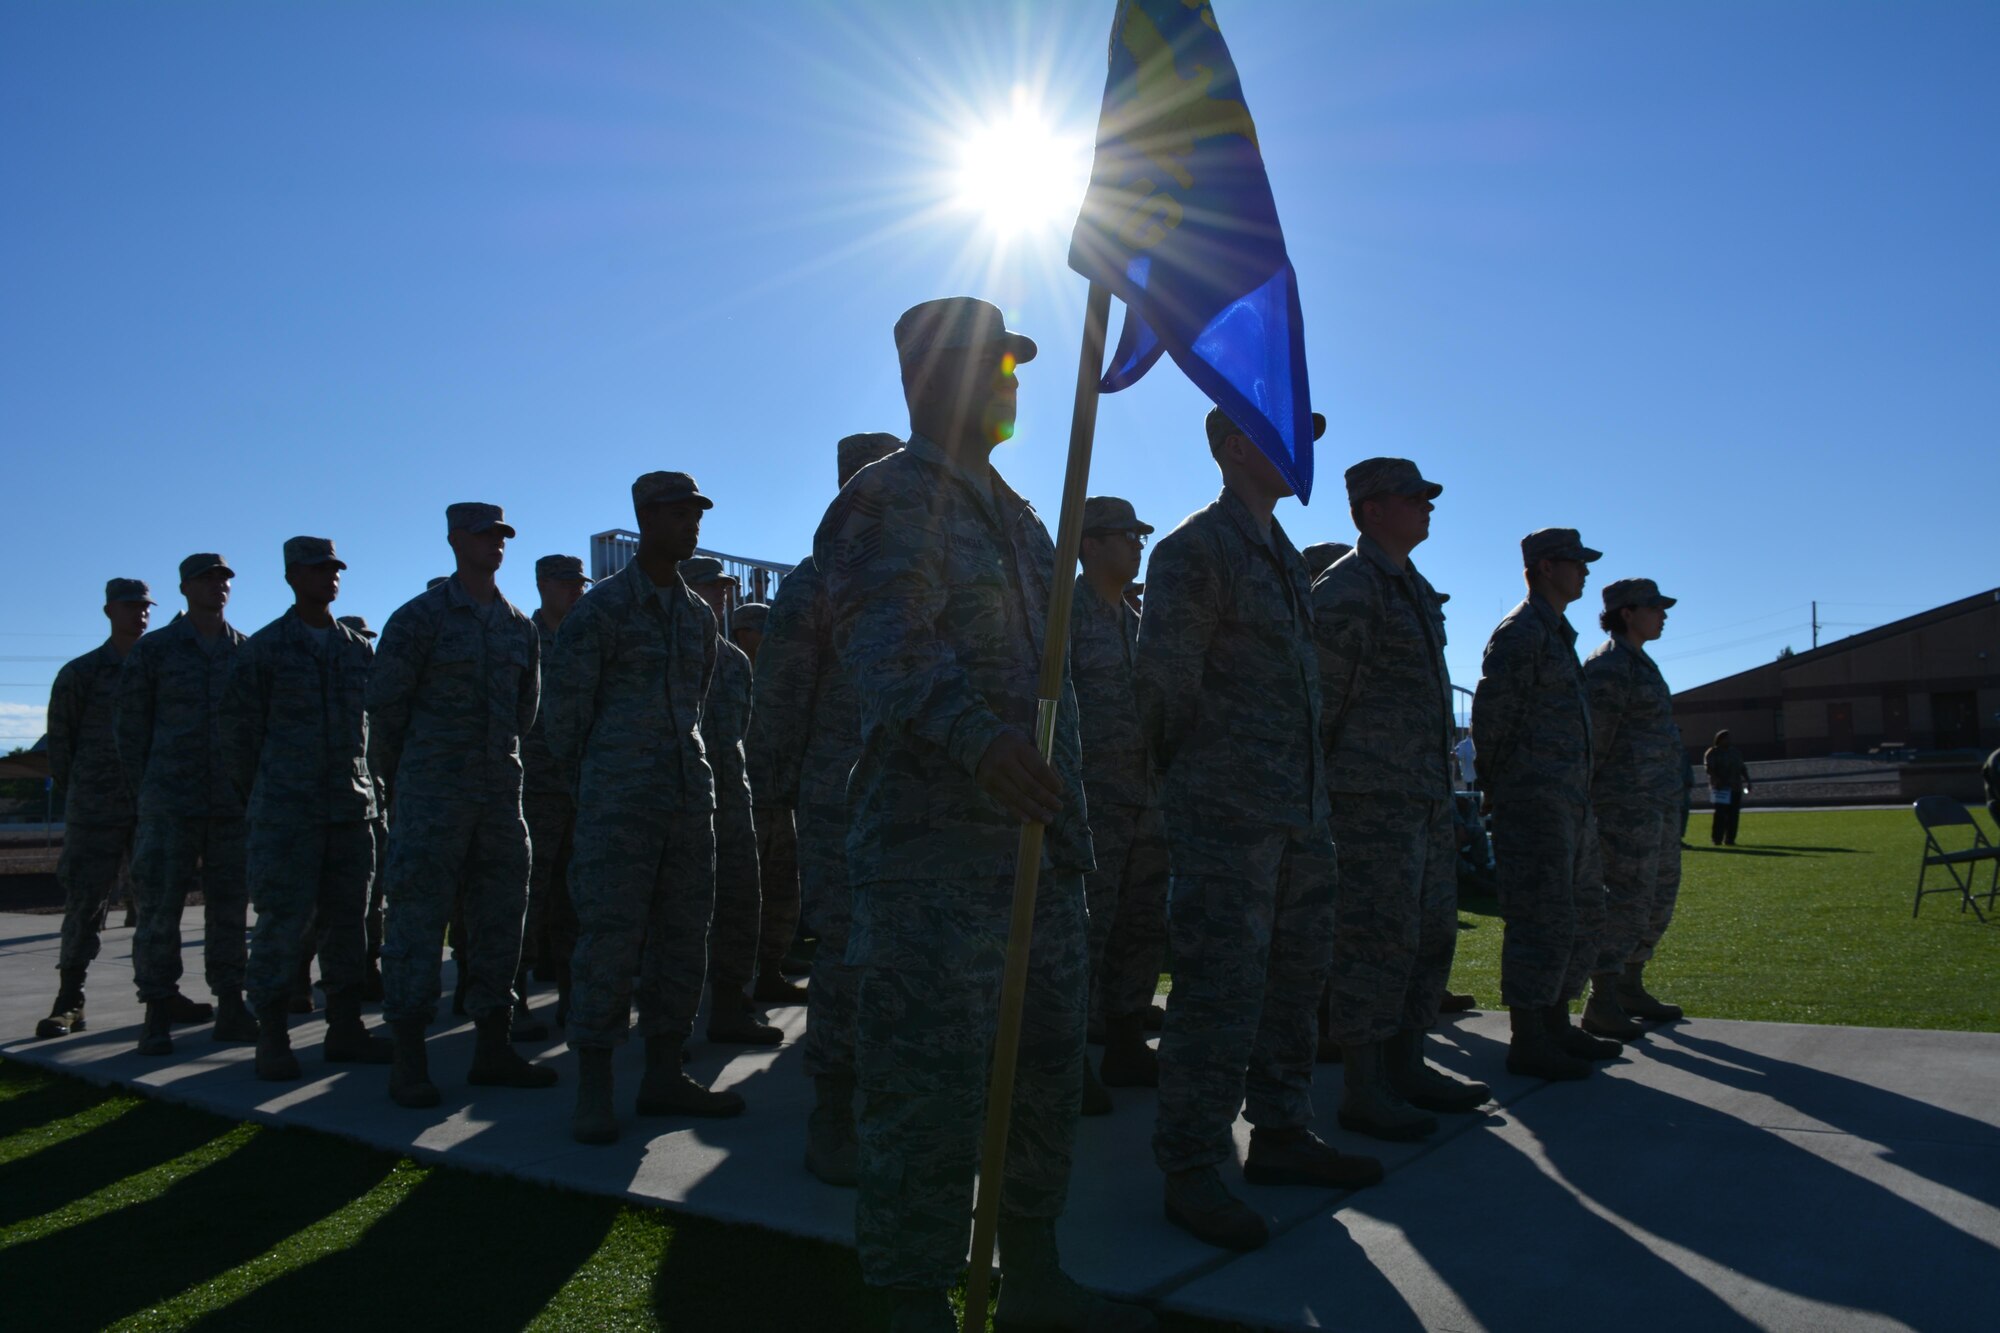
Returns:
(121, 1212)
(1806, 920)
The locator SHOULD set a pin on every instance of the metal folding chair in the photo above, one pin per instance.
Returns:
(1960, 866)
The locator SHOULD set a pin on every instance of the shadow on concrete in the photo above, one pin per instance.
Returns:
(460, 1251)
(210, 1221)
(1752, 1201)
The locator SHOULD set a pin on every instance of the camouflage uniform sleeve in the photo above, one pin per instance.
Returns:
(245, 706)
(133, 724)
(65, 720)
(1500, 701)
(531, 679)
(1608, 686)
(576, 663)
(1183, 607)
(392, 686)
(782, 699)
(1344, 630)
(882, 559)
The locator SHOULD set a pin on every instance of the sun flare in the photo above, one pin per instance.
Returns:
(1020, 173)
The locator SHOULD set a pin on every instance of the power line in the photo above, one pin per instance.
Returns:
(1754, 620)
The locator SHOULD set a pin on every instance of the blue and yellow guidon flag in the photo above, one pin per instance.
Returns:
(1180, 225)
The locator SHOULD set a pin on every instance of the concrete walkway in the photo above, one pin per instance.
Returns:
(1723, 1175)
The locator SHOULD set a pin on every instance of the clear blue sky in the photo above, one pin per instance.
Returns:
(1716, 283)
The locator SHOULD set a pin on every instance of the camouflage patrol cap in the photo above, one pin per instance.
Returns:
(312, 551)
(1108, 513)
(664, 488)
(472, 516)
(201, 562)
(1319, 557)
(700, 569)
(562, 568)
(1387, 476)
(1443, 597)
(958, 322)
(1634, 592)
(750, 615)
(1556, 544)
(855, 452)
(128, 590)
(1220, 427)
(359, 624)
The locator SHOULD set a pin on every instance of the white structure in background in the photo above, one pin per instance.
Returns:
(756, 580)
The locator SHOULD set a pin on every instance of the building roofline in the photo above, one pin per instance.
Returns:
(1950, 610)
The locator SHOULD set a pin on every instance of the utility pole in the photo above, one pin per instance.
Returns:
(1815, 623)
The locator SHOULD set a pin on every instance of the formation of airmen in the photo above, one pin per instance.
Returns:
(1254, 777)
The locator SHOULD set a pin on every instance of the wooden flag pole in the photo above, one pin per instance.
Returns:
(1028, 859)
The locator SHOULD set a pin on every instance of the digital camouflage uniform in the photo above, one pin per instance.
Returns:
(1127, 892)
(1388, 728)
(191, 829)
(805, 734)
(295, 732)
(939, 591)
(1228, 682)
(1635, 790)
(739, 908)
(98, 811)
(1531, 727)
(550, 809)
(633, 665)
(454, 687)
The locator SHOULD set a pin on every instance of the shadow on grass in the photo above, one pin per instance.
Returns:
(460, 1251)
(1775, 849)
(30, 1099)
(199, 1228)
(140, 1139)
(714, 1276)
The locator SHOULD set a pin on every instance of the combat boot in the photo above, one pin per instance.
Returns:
(67, 1015)
(1422, 1084)
(912, 1311)
(667, 1090)
(181, 1011)
(156, 1037)
(731, 1023)
(832, 1151)
(524, 1026)
(594, 1122)
(1036, 1294)
(495, 1064)
(275, 1061)
(1369, 1105)
(1574, 1040)
(1200, 1204)
(1299, 1157)
(1096, 1100)
(347, 1040)
(1603, 1016)
(233, 1019)
(1128, 1061)
(772, 988)
(409, 1068)
(1639, 1003)
(1533, 1053)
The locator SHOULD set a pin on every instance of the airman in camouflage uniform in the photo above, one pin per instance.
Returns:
(1228, 683)
(1636, 789)
(732, 940)
(634, 665)
(805, 734)
(295, 735)
(1387, 698)
(938, 577)
(549, 806)
(1531, 727)
(777, 846)
(1127, 892)
(190, 813)
(98, 812)
(455, 685)
(371, 980)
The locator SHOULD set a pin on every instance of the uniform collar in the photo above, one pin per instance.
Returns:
(1246, 523)
(1553, 618)
(1372, 550)
(989, 490)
